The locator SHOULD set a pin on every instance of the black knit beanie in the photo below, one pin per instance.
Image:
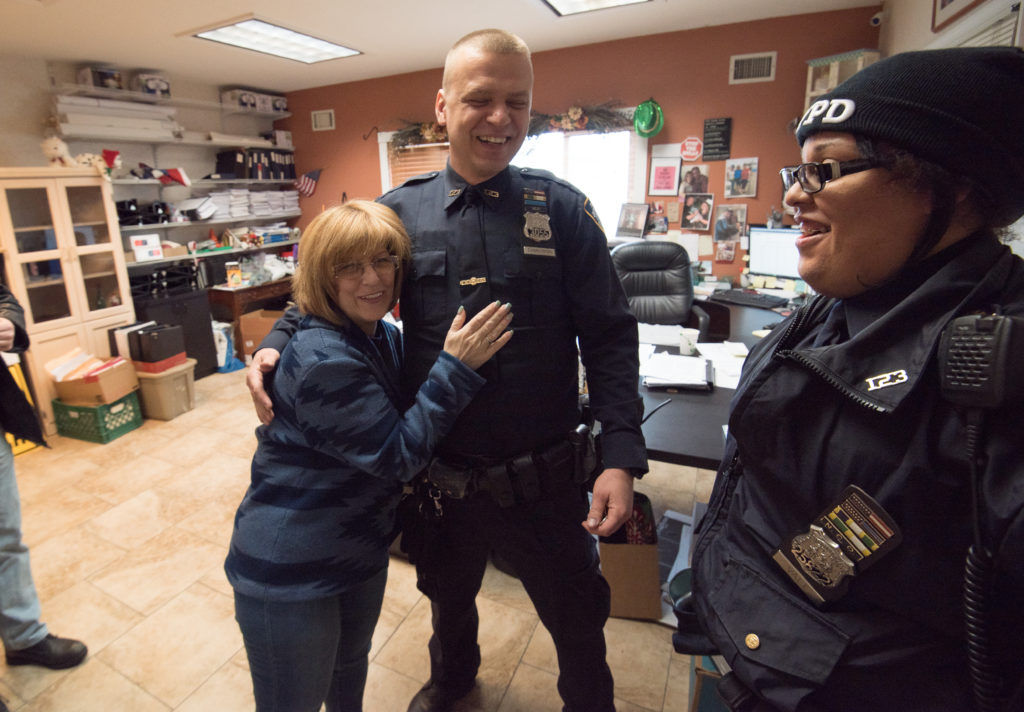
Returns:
(962, 109)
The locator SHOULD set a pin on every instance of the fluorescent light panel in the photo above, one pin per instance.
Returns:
(574, 7)
(261, 36)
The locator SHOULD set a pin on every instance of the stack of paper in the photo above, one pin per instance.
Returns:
(664, 370)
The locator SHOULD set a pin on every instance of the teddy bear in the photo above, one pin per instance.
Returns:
(57, 152)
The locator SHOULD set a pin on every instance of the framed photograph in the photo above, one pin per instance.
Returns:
(741, 178)
(664, 175)
(945, 11)
(696, 210)
(725, 251)
(695, 178)
(632, 220)
(730, 222)
(657, 225)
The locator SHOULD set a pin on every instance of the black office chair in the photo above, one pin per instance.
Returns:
(658, 282)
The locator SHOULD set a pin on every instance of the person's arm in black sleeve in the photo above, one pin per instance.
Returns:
(264, 360)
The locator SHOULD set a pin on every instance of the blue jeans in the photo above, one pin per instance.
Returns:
(305, 653)
(19, 603)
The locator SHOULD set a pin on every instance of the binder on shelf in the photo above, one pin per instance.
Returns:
(118, 338)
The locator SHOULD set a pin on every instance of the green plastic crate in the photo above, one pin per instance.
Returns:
(98, 423)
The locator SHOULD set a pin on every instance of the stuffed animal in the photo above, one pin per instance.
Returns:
(56, 151)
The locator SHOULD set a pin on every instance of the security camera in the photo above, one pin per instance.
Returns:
(877, 18)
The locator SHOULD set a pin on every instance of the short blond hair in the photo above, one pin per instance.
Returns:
(337, 236)
(490, 40)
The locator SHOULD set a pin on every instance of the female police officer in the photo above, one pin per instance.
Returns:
(829, 568)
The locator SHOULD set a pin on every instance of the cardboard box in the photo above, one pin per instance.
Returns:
(166, 395)
(632, 574)
(106, 386)
(254, 326)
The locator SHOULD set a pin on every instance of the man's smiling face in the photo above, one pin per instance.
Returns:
(485, 105)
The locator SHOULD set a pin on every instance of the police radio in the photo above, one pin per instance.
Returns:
(977, 355)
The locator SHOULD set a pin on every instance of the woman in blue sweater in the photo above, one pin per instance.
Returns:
(309, 553)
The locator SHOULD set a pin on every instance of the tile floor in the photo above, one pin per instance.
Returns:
(127, 542)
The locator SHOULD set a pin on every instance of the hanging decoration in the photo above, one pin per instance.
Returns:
(601, 119)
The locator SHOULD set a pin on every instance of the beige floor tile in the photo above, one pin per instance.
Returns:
(213, 522)
(95, 687)
(638, 655)
(61, 511)
(401, 594)
(532, 690)
(387, 624)
(179, 647)
(36, 484)
(228, 690)
(137, 520)
(387, 690)
(406, 650)
(128, 448)
(116, 483)
(216, 579)
(149, 576)
(64, 560)
(191, 448)
(677, 693)
(86, 613)
(506, 590)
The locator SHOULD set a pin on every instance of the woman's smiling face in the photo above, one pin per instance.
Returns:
(859, 229)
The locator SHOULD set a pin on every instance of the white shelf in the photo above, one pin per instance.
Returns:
(212, 253)
(220, 221)
(70, 89)
(204, 183)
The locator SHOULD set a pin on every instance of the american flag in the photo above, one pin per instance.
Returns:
(306, 185)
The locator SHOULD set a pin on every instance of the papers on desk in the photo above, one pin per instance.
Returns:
(670, 371)
(726, 358)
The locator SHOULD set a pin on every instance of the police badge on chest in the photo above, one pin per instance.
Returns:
(537, 224)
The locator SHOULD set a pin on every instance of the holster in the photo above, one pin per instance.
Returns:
(584, 453)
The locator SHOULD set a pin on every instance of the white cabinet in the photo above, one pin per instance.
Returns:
(64, 263)
(826, 73)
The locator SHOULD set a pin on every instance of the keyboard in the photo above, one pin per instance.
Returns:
(745, 298)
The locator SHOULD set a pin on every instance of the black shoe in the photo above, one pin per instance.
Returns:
(51, 652)
(435, 698)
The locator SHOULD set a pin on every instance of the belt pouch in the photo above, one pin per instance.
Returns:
(526, 478)
(499, 484)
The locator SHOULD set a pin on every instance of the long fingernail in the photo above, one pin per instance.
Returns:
(461, 309)
(508, 306)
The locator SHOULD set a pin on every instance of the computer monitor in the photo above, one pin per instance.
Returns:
(772, 252)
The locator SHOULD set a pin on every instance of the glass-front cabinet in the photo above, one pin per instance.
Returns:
(63, 261)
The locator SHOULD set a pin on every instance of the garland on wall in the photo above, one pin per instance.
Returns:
(602, 119)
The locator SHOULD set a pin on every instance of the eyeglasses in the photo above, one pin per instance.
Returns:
(812, 177)
(383, 266)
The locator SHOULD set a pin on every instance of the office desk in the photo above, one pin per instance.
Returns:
(229, 304)
(688, 430)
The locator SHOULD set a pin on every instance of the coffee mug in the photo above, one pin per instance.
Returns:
(688, 341)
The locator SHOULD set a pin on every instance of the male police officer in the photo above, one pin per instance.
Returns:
(482, 231)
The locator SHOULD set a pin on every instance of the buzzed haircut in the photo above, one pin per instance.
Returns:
(490, 40)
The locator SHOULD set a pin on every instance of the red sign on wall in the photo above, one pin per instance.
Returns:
(691, 149)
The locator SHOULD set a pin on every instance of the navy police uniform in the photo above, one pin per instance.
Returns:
(526, 238)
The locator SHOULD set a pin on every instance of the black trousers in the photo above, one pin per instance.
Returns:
(556, 560)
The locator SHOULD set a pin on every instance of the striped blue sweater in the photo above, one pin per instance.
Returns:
(327, 472)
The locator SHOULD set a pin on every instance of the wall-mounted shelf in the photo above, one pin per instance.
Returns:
(218, 221)
(211, 253)
(70, 89)
(207, 183)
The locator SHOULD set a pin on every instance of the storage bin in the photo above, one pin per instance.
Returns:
(98, 423)
(168, 394)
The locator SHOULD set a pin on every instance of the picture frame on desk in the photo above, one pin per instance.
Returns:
(632, 220)
(945, 12)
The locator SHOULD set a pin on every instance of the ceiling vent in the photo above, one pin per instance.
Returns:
(323, 120)
(747, 68)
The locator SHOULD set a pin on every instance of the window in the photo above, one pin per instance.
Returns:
(610, 168)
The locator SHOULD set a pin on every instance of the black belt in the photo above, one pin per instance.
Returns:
(513, 481)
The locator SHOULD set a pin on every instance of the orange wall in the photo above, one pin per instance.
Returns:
(685, 72)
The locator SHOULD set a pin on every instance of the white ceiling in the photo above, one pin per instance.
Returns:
(395, 36)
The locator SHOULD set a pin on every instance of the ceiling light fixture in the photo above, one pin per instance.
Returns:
(574, 7)
(250, 32)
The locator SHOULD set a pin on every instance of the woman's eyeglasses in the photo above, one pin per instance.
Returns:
(812, 177)
(383, 266)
